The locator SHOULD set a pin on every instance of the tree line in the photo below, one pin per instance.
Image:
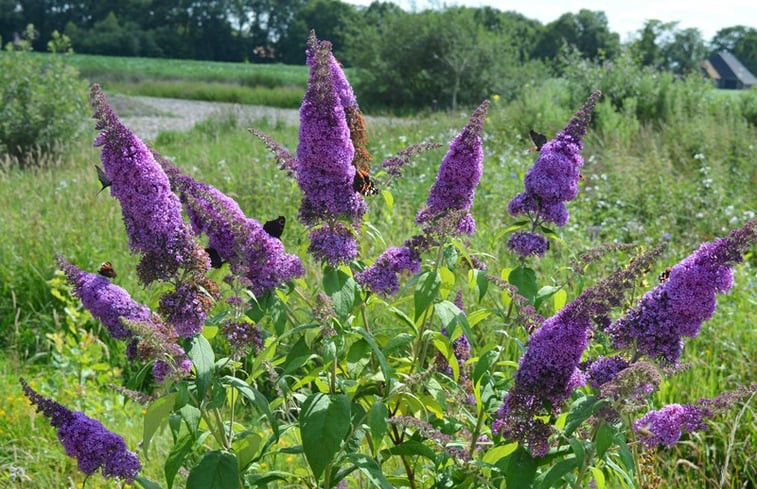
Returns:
(441, 56)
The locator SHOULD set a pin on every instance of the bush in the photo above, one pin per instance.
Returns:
(44, 102)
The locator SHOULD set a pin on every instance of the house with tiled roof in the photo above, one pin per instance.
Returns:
(727, 72)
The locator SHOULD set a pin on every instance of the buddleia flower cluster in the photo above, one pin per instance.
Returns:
(87, 440)
(550, 183)
(446, 213)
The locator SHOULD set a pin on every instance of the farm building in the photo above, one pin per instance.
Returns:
(727, 72)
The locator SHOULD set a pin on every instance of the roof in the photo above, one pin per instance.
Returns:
(731, 68)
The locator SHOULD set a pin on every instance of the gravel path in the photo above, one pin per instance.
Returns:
(147, 116)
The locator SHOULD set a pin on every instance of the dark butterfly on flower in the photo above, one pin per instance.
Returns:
(275, 227)
(362, 183)
(107, 270)
(215, 259)
(664, 275)
(539, 140)
(104, 181)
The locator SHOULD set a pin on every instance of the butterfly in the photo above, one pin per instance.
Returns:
(275, 227)
(106, 270)
(362, 183)
(664, 275)
(539, 140)
(104, 180)
(215, 259)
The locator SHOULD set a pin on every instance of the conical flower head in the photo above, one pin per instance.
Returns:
(151, 212)
(87, 440)
(106, 301)
(459, 173)
(325, 152)
(677, 307)
(555, 175)
(239, 240)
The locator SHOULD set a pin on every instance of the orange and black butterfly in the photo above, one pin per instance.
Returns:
(275, 227)
(104, 181)
(539, 140)
(359, 136)
(362, 183)
(664, 275)
(107, 270)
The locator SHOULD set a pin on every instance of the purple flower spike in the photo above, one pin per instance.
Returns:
(605, 369)
(150, 210)
(553, 180)
(678, 306)
(382, 276)
(525, 244)
(249, 249)
(333, 244)
(325, 152)
(107, 302)
(185, 308)
(459, 174)
(87, 440)
(665, 426)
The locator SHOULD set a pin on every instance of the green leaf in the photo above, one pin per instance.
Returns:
(444, 347)
(201, 354)
(385, 370)
(370, 469)
(580, 411)
(191, 416)
(388, 200)
(482, 282)
(599, 477)
(425, 292)
(560, 299)
(397, 342)
(450, 314)
(342, 289)
(525, 279)
(519, 469)
(215, 470)
(377, 417)
(324, 422)
(603, 440)
(556, 473)
(258, 399)
(484, 364)
(514, 227)
(412, 447)
(157, 412)
(176, 458)
(498, 453)
(147, 483)
(247, 448)
(543, 294)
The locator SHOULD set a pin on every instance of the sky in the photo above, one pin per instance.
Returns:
(624, 16)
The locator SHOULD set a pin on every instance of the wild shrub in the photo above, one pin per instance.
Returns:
(44, 102)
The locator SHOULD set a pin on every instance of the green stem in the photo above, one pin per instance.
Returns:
(422, 343)
(474, 436)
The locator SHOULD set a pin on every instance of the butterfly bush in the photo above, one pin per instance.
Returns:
(87, 440)
(150, 210)
(447, 210)
(251, 252)
(106, 301)
(675, 308)
(325, 153)
(551, 182)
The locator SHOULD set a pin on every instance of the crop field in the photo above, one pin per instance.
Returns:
(685, 178)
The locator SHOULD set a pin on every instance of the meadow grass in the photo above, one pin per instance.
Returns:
(684, 181)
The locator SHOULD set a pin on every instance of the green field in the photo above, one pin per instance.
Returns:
(687, 179)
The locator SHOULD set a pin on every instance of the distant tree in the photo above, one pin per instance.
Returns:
(330, 19)
(662, 46)
(588, 32)
(741, 41)
(262, 24)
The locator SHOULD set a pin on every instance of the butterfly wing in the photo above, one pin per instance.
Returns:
(275, 227)
(107, 270)
(104, 180)
(215, 259)
(539, 139)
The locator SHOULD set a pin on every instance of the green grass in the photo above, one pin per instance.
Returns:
(637, 189)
